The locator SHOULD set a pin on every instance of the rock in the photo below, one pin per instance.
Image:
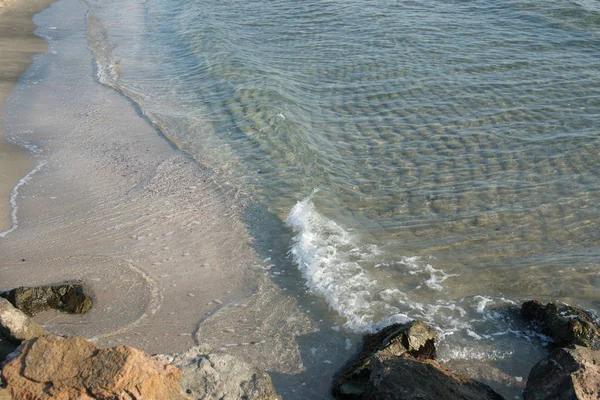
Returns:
(15, 326)
(565, 324)
(398, 363)
(414, 338)
(73, 368)
(69, 297)
(221, 376)
(566, 374)
(407, 378)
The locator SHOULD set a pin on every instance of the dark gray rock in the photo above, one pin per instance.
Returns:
(15, 326)
(566, 374)
(398, 363)
(394, 340)
(68, 297)
(206, 375)
(565, 324)
(407, 378)
(6, 348)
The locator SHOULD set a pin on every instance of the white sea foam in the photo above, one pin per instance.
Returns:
(483, 301)
(469, 353)
(335, 265)
(13, 198)
(417, 266)
(331, 259)
(107, 68)
(321, 250)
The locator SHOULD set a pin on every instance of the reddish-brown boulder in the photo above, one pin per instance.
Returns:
(73, 368)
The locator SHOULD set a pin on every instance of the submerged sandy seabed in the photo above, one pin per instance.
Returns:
(161, 240)
(158, 239)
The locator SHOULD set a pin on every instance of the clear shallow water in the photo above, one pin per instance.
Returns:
(454, 145)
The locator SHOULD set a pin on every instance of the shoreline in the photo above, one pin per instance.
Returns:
(18, 45)
(161, 243)
(105, 200)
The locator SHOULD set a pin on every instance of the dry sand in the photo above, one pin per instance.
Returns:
(157, 237)
(17, 45)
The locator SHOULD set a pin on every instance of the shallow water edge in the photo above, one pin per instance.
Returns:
(17, 45)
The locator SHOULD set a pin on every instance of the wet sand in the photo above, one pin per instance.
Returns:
(160, 240)
(17, 46)
(114, 204)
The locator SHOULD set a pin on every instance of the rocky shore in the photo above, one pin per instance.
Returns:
(399, 362)
(36, 364)
(170, 265)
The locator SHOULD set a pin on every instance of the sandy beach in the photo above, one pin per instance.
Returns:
(17, 45)
(111, 196)
(160, 241)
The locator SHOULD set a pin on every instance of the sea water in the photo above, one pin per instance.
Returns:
(431, 160)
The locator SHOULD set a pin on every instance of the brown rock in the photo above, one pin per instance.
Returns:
(565, 324)
(407, 378)
(566, 374)
(416, 338)
(73, 368)
(398, 364)
(68, 297)
(5, 394)
(15, 326)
